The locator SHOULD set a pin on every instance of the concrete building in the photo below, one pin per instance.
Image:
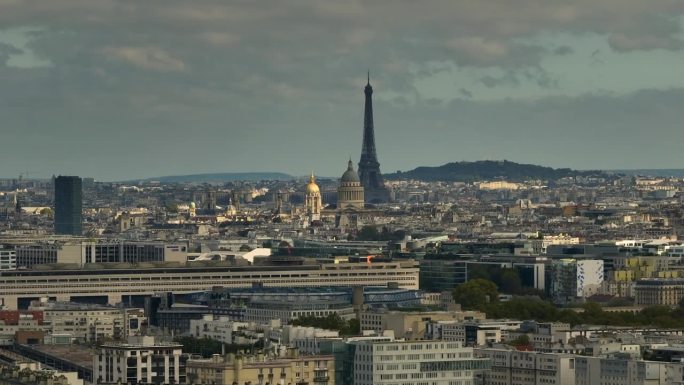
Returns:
(219, 329)
(264, 312)
(140, 360)
(472, 333)
(114, 285)
(8, 259)
(101, 251)
(306, 339)
(290, 368)
(614, 371)
(570, 279)
(415, 363)
(85, 322)
(527, 368)
(410, 325)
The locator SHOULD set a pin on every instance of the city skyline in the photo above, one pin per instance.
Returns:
(136, 91)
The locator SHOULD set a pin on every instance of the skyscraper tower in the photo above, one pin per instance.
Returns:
(68, 205)
(369, 167)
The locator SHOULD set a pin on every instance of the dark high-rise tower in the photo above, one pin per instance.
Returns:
(68, 205)
(369, 167)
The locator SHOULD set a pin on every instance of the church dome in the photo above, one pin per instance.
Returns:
(312, 187)
(350, 176)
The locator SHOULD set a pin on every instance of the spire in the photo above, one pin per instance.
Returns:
(311, 178)
(369, 167)
(350, 165)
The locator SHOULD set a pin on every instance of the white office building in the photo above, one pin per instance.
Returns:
(220, 329)
(416, 363)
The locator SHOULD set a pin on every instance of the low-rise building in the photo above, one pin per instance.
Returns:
(609, 371)
(472, 333)
(264, 312)
(219, 329)
(306, 339)
(410, 325)
(290, 368)
(84, 322)
(527, 368)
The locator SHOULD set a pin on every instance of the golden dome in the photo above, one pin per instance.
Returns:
(312, 187)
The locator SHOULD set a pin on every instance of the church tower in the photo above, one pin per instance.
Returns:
(313, 201)
(369, 167)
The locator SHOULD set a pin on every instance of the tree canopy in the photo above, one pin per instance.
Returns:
(481, 294)
(476, 294)
(330, 322)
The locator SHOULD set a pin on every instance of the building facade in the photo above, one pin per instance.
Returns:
(68, 205)
(528, 368)
(290, 368)
(350, 194)
(659, 291)
(117, 285)
(416, 363)
(101, 251)
(8, 259)
(141, 360)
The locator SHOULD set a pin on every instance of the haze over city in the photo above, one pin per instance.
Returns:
(120, 90)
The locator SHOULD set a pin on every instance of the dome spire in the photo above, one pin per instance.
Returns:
(312, 179)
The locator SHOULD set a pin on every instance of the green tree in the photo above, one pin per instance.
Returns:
(368, 233)
(171, 208)
(521, 340)
(510, 281)
(476, 293)
(330, 322)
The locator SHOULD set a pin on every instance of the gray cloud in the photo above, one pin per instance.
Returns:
(160, 78)
(563, 50)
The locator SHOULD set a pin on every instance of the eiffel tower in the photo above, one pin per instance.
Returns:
(369, 167)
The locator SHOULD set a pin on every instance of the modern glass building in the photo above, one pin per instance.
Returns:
(68, 205)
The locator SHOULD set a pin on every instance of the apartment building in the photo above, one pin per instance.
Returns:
(290, 368)
(140, 360)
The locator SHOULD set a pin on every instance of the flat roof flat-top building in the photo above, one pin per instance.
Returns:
(112, 285)
(290, 368)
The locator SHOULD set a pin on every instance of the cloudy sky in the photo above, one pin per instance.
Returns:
(119, 89)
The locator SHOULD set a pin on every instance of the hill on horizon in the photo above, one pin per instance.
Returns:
(221, 177)
(488, 170)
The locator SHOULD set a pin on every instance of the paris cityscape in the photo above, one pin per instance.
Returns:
(294, 234)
